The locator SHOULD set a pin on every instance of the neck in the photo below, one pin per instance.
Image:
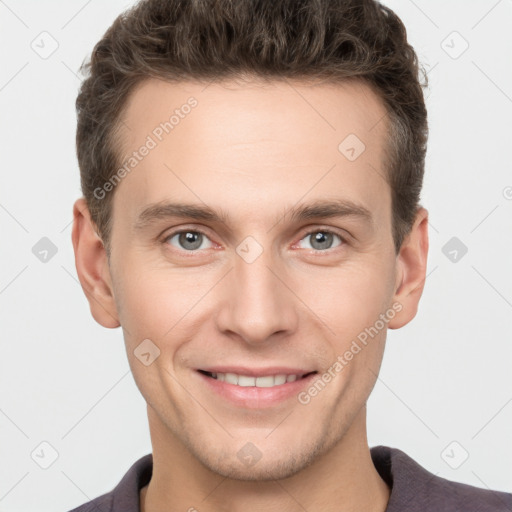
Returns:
(343, 480)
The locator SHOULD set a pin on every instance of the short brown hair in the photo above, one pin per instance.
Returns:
(208, 40)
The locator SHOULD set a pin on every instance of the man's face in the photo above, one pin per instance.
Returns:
(261, 290)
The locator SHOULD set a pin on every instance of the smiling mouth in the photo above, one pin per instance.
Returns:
(267, 381)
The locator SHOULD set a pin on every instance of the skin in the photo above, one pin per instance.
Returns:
(254, 151)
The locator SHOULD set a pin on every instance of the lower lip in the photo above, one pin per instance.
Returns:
(253, 397)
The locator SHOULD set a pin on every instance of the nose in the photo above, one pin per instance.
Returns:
(256, 303)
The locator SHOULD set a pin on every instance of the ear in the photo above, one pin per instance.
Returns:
(411, 271)
(92, 267)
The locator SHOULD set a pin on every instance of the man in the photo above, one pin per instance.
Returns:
(251, 175)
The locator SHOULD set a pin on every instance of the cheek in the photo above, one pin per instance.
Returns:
(348, 298)
(143, 307)
(157, 303)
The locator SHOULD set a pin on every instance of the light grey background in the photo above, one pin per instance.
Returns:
(65, 380)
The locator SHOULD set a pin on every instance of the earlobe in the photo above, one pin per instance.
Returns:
(411, 271)
(92, 267)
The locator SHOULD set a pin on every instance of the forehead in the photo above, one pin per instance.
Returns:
(234, 143)
(248, 110)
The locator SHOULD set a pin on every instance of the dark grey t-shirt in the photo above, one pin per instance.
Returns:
(413, 488)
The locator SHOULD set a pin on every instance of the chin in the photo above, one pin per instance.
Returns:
(251, 464)
(259, 472)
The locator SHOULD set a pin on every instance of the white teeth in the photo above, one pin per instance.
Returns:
(268, 381)
(281, 379)
(246, 381)
(265, 382)
(231, 378)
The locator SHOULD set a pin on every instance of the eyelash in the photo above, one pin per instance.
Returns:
(306, 234)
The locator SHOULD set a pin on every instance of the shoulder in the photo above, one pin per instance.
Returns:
(125, 495)
(103, 503)
(441, 492)
(415, 489)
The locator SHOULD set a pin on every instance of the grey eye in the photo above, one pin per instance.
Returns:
(321, 240)
(188, 240)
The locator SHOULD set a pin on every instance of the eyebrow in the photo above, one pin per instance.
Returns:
(320, 209)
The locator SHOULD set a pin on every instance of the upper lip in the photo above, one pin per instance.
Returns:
(257, 372)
